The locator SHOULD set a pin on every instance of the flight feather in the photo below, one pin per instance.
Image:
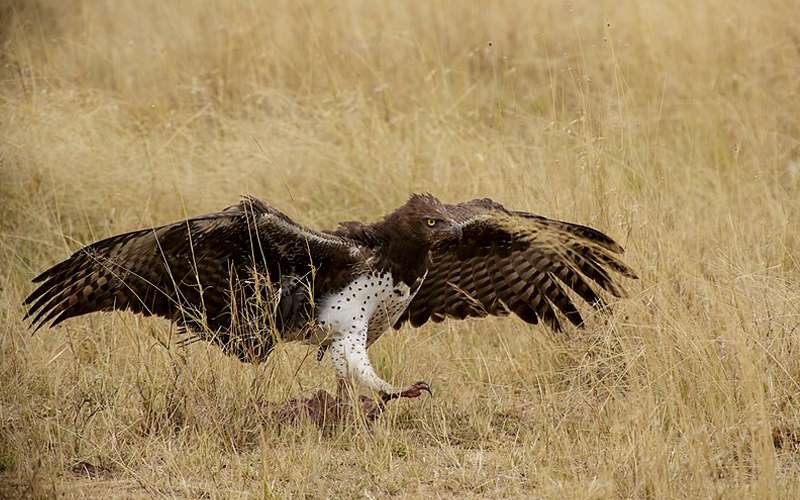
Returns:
(515, 262)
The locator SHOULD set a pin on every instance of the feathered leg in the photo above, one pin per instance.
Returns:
(349, 355)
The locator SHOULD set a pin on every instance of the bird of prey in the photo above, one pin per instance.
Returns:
(245, 276)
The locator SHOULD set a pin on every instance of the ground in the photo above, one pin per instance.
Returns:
(672, 126)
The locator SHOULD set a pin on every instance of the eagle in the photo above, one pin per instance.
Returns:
(248, 276)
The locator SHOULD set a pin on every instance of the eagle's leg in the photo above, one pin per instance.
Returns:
(349, 355)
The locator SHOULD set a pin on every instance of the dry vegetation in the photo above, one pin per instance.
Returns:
(673, 126)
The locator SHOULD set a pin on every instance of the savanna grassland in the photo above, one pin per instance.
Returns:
(673, 126)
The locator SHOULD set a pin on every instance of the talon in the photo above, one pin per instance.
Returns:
(416, 390)
(413, 391)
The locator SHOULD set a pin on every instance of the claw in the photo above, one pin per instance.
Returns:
(427, 389)
(413, 391)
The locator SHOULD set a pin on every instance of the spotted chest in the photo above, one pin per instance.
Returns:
(372, 299)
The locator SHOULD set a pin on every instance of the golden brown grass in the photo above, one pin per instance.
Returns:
(672, 126)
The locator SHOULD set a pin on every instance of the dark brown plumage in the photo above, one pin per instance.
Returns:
(189, 271)
(510, 261)
(242, 277)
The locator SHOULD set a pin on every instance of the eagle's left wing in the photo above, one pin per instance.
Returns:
(509, 261)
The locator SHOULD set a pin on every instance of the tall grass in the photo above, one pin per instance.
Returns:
(673, 126)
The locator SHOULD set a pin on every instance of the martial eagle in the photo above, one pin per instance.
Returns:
(244, 276)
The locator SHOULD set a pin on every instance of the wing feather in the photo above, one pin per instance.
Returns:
(181, 271)
(512, 261)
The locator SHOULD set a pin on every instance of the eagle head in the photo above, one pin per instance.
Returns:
(424, 221)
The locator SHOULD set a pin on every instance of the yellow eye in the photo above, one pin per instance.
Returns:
(431, 222)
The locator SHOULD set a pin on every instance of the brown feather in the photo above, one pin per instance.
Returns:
(518, 262)
(186, 271)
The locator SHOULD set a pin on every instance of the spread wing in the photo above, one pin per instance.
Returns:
(509, 261)
(181, 271)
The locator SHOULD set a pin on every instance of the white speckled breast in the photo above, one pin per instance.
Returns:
(374, 298)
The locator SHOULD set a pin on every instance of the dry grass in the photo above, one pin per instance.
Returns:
(673, 126)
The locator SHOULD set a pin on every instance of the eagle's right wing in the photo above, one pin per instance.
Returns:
(182, 271)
